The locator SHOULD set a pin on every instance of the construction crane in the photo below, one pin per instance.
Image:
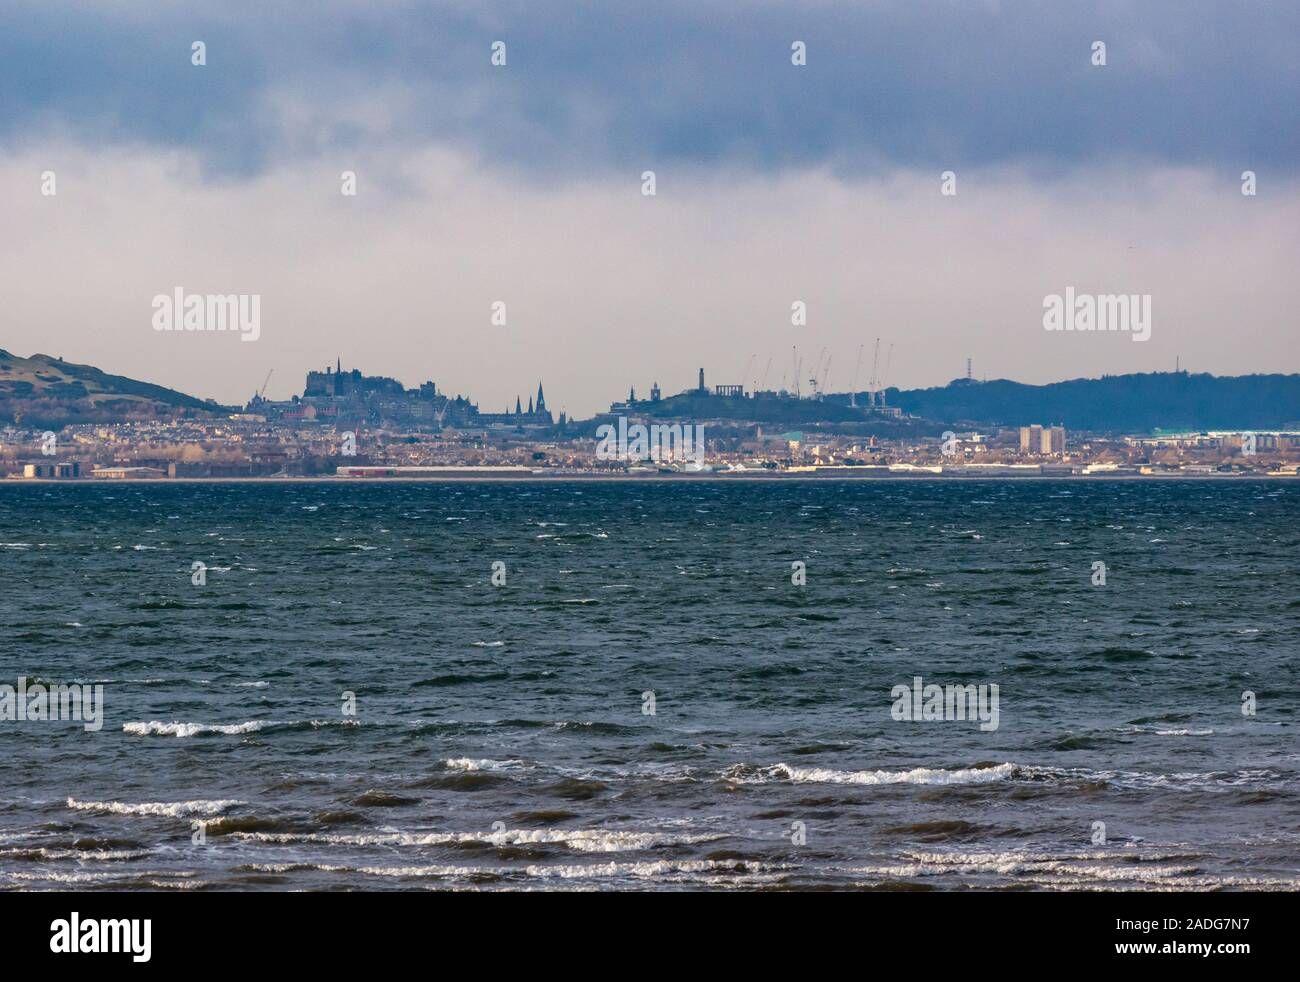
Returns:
(826, 374)
(261, 393)
(853, 395)
(745, 374)
(884, 379)
(765, 371)
(816, 372)
(875, 364)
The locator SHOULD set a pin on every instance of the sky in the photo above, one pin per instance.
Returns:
(775, 183)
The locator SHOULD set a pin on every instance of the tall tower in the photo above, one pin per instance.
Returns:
(541, 399)
(701, 388)
(518, 408)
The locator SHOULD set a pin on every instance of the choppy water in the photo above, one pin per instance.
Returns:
(500, 741)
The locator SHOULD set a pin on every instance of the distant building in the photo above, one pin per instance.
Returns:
(630, 405)
(230, 468)
(433, 470)
(1031, 438)
(338, 384)
(1045, 440)
(353, 399)
(52, 471)
(127, 473)
(536, 415)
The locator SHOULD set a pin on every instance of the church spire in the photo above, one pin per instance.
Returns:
(541, 399)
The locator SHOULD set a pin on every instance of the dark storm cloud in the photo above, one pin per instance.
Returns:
(708, 84)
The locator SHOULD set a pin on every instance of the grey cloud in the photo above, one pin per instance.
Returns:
(600, 86)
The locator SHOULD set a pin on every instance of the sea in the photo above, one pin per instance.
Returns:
(658, 684)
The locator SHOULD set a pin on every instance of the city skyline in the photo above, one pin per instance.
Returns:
(281, 386)
(433, 401)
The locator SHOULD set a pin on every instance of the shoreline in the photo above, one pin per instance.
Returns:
(634, 478)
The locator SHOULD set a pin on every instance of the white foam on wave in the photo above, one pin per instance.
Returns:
(172, 809)
(658, 868)
(158, 728)
(61, 878)
(82, 855)
(1048, 868)
(917, 775)
(414, 871)
(690, 869)
(1197, 780)
(579, 840)
(157, 879)
(481, 764)
(1183, 731)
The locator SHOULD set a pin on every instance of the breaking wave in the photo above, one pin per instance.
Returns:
(746, 774)
(172, 809)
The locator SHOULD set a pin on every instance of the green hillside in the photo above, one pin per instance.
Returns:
(1116, 403)
(47, 391)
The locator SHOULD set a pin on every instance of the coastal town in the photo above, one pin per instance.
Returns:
(348, 425)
